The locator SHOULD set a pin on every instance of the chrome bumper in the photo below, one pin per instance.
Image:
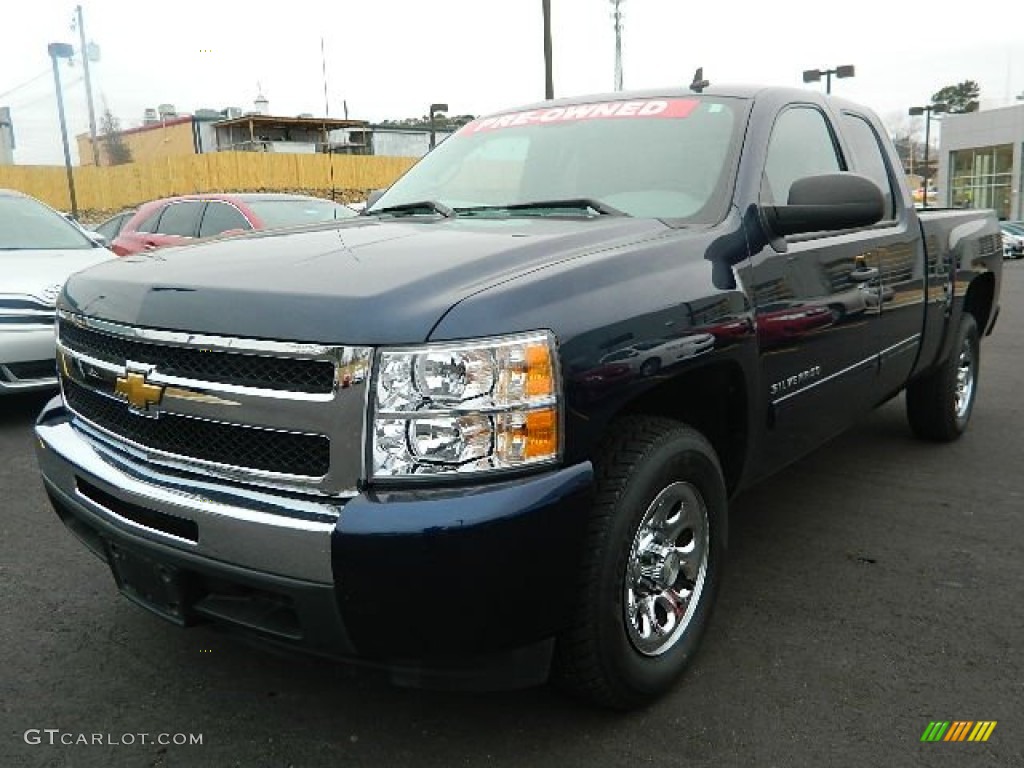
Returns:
(258, 530)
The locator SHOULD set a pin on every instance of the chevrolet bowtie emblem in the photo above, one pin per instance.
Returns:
(140, 394)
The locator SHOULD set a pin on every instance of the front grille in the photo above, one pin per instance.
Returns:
(25, 311)
(229, 444)
(276, 373)
(34, 369)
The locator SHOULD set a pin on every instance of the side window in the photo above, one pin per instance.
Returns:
(220, 217)
(801, 145)
(867, 156)
(112, 226)
(181, 219)
(149, 223)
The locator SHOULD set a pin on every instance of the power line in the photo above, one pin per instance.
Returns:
(41, 75)
(45, 96)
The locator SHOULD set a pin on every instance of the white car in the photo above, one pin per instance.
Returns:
(649, 357)
(39, 250)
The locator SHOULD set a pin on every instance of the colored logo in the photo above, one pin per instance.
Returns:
(958, 730)
(139, 393)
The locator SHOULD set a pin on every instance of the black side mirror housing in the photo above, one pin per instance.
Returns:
(829, 202)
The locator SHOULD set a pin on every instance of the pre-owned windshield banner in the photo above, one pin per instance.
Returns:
(601, 111)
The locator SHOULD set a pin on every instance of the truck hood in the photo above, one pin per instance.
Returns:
(36, 273)
(365, 281)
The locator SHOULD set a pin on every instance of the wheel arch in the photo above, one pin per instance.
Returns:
(979, 301)
(713, 399)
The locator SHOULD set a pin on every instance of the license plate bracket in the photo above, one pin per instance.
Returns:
(153, 585)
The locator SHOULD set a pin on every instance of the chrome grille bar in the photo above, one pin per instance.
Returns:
(274, 434)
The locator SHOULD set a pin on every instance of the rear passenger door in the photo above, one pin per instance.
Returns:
(220, 217)
(896, 299)
(179, 223)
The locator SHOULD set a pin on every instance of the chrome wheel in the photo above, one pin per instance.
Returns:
(666, 569)
(964, 380)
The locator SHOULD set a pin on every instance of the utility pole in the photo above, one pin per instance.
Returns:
(549, 78)
(617, 17)
(80, 23)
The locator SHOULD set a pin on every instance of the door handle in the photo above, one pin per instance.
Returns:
(863, 274)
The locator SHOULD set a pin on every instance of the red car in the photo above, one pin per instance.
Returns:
(184, 219)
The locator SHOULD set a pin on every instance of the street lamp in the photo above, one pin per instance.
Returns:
(814, 75)
(63, 51)
(927, 112)
(434, 109)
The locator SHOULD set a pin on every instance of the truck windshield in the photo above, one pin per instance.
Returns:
(665, 158)
(29, 225)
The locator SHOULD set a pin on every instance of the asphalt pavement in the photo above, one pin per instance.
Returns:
(873, 588)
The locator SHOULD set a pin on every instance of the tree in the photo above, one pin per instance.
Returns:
(908, 138)
(117, 150)
(441, 122)
(960, 98)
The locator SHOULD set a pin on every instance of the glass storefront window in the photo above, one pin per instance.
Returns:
(982, 178)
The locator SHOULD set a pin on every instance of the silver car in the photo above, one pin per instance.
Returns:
(39, 250)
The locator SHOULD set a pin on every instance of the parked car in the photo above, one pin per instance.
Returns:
(111, 228)
(184, 219)
(649, 357)
(482, 508)
(39, 248)
(1013, 239)
(782, 321)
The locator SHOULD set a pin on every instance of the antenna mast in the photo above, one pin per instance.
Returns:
(617, 18)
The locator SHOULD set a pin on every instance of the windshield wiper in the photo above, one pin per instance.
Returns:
(579, 203)
(430, 205)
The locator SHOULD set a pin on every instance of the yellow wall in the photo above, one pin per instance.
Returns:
(152, 144)
(114, 187)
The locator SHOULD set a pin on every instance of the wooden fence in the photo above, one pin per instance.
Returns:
(123, 186)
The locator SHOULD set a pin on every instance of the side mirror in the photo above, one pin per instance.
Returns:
(96, 237)
(831, 201)
(373, 197)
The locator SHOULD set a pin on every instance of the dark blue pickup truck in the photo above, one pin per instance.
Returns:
(486, 433)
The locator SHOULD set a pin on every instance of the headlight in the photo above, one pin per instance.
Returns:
(472, 406)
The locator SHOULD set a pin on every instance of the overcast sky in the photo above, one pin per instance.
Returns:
(392, 58)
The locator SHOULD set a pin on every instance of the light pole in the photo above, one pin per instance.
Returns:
(927, 112)
(814, 75)
(63, 51)
(434, 109)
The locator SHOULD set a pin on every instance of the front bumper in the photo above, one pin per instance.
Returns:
(456, 588)
(29, 344)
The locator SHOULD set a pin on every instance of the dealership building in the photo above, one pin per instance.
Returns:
(981, 161)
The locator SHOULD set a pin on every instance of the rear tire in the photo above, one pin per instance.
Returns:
(651, 568)
(939, 405)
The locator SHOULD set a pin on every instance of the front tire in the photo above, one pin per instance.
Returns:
(939, 405)
(652, 565)
(650, 366)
